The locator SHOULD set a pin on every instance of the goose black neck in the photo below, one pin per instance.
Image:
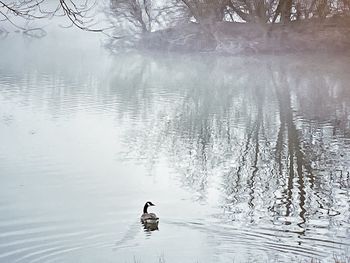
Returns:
(145, 208)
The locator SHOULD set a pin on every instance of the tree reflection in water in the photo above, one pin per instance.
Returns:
(273, 136)
(270, 137)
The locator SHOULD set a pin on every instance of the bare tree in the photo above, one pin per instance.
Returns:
(134, 19)
(142, 16)
(79, 13)
(138, 13)
(206, 11)
(264, 11)
(252, 11)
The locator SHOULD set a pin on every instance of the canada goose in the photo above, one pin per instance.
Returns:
(149, 218)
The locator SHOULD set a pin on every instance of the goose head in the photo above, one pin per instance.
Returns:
(146, 206)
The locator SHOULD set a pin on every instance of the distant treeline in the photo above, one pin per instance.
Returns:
(232, 26)
(150, 15)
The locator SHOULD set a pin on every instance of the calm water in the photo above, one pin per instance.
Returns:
(246, 159)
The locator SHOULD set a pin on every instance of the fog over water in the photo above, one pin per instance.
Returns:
(246, 158)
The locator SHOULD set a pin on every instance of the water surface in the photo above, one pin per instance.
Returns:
(246, 158)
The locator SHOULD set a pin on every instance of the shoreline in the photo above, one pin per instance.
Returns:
(228, 38)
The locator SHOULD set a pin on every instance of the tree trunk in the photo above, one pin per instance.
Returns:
(284, 9)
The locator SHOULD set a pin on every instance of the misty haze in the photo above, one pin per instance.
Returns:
(175, 131)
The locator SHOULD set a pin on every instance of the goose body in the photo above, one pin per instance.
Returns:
(149, 218)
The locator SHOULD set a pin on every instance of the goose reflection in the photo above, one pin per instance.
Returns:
(150, 227)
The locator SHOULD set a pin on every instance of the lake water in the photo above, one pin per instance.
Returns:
(246, 158)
